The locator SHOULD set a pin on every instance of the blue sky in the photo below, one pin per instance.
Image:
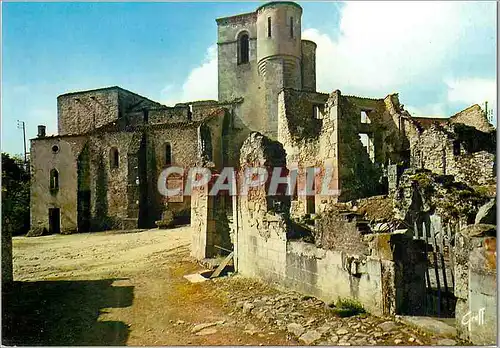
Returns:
(440, 57)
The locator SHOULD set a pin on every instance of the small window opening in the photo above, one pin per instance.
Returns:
(291, 27)
(54, 180)
(317, 112)
(55, 148)
(244, 51)
(364, 117)
(114, 158)
(168, 154)
(456, 148)
(268, 26)
(190, 112)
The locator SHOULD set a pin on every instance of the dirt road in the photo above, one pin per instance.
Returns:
(115, 289)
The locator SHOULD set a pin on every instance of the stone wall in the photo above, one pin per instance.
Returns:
(453, 150)
(476, 284)
(81, 112)
(386, 275)
(473, 116)
(109, 183)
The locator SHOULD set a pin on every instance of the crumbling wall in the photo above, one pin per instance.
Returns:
(261, 230)
(473, 116)
(476, 284)
(358, 175)
(457, 150)
(381, 271)
(310, 141)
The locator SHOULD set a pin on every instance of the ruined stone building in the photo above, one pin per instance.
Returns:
(405, 186)
(100, 170)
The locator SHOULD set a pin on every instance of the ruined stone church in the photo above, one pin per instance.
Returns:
(101, 170)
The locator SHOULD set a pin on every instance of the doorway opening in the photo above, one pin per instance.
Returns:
(54, 220)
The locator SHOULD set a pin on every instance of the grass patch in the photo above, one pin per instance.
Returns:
(345, 307)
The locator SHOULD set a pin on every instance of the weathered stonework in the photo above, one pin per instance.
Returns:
(476, 286)
(108, 172)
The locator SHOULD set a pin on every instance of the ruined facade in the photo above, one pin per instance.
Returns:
(404, 187)
(101, 170)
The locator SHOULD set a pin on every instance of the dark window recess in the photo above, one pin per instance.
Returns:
(54, 180)
(55, 148)
(291, 27)
(268, 26)
(168, 154)
(456, 148)
(114, 158)
(295, 188)
(244, 49)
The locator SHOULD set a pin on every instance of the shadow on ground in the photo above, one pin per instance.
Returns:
(63, 313)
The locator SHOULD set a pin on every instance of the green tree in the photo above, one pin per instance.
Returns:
(15, 196)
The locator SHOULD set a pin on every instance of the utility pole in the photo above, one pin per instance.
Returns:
(22, 125)
(488, 113)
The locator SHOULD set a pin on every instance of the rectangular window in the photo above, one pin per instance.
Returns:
(317, 112)
(268, 26)
(168, 154)
(291, 27)
(364, 117)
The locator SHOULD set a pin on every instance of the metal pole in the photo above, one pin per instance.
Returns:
(19, 123)
(24, 142)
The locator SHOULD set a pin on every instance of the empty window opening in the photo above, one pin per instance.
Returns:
(291, 27)
(456, 148)
(114, 158)
(55, 148)
(168, 154)
(317, 112)
(367, 142)
(268, 26)
(244, 49)
(54, 180)
(190, 112)
(364, 117)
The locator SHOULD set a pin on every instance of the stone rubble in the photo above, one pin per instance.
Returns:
(310, 321)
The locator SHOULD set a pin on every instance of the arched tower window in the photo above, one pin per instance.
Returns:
(54, 180)
(168, 154)
(243, 49)
(114, 158)
(268, 26)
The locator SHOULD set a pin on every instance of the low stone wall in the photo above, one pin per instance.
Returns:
(476, 285)
(382, 282)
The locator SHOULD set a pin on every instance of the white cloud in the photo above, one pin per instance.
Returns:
(387, 47)
(383, 46)
(472, 90)
(201, 83)
(428, 110)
